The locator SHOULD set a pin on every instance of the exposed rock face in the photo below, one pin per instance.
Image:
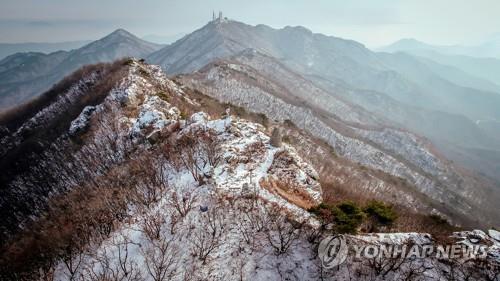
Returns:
(82, 122)
(247, 155)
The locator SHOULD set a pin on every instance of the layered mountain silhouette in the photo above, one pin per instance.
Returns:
(482, 67)
(403, 78)
(418, 94)
(447, 103)
(7, 49)
(25, 75)
(284, 131)
(487, 49)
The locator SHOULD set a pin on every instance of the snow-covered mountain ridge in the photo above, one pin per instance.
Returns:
(217, 234)
(417, 97)
(246, 155)
(217, 197)
(263, 85)
(24, 76)
(247, 160)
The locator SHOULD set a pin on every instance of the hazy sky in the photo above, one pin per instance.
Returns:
(372, 22)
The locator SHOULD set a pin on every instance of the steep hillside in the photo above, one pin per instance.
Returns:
(403, 91)
(25, 75)
(28, 132)
(404, 79)
(382, 148)
(140, 183)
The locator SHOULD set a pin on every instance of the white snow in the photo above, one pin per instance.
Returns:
(247, 158)
(82, 121)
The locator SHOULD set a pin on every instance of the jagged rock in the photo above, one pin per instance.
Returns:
(199, 117)
(80, 124)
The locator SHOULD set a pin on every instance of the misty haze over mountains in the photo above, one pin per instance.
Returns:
(24, 75)
(238, 143)
(453, 100)
(488, 49)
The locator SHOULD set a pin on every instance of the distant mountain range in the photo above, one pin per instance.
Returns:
(439, 100)
(24, 75)
(488, 49)
(486, 68)
(7, 49)
(402, 78)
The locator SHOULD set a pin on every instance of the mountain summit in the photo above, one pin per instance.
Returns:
(31, 74)
(118, 44)
(221, 39)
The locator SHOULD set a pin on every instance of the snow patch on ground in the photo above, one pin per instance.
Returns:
(82, 121)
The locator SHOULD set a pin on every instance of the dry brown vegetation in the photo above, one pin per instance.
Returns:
(35, 140)
(289, 191)
(92, 210)
(331, 168)
(85, 214)
(217, 109)
(12, 118)
(66, 228)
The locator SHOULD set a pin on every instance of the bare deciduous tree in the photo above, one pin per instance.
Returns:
(152, 224)
(114, 264)
(207, 236)
(182, 202)
(161, 258)
(414, 268)
(150, 177)
(72, 259)
(173, 223)
(198, 151)
(250, 222)
(281, 232)
(382, 264)
(210, 148)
